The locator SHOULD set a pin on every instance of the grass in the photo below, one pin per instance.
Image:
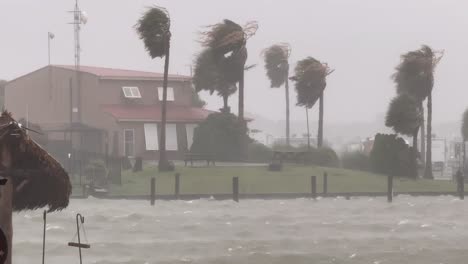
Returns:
(258, 180)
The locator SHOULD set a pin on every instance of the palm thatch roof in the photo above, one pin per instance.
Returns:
(276, 63)
(310, 77)
(38, 179)
(154, 29)
(404, 115)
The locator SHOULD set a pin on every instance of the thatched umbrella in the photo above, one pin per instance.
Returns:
(35, 179)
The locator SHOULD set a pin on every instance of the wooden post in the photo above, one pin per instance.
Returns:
(390, 188)
(177, 185)
(153, 190)
(235, 189)
(325, 184)
(313, 186)
(460, 185)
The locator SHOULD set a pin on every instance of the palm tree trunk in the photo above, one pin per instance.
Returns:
(308, 129)
(415, 153)
(226, 105)
(241, 96)
(320, 125)
(163, 162)
(428, 171)
(464, 156)
(287, 107)
(423, 136)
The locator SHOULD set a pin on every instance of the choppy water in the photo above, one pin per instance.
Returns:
(424, 230)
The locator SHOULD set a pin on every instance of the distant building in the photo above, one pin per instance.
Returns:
(106, 110)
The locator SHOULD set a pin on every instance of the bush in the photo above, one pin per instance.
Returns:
(138, 164)
(221, 135)
(356, 160)
(392, 156)
(258, 152)
(325, 157)
(96, 172)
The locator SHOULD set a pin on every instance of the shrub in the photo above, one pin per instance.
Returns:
(391, 155)
(96, 172)
(355, 160)
(258, 152)
(138, 164)
(325, 157)
(221, 135)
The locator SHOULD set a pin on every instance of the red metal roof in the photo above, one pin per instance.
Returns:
(153, 113)
(110, 73)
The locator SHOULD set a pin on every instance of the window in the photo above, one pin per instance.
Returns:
(151, 137)
(131, 92)
(171, 137)
(129, 142)
(190, 131)
(170, 94)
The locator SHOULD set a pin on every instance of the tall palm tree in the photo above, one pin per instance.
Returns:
(415, 76)
(464, 132)
(154, 28)
(310, 77)
(228, 42)
(277, 69)
(404, 116)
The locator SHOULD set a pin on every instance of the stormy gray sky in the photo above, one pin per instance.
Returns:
(361, 39)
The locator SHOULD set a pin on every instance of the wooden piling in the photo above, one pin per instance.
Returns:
(153, 190)
(177, 186)
(325, 183)
(390, 188)
(313, 186)
(235, 189)
(461, 186)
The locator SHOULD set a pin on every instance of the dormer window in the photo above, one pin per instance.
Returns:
(170, 94)
(131, 92)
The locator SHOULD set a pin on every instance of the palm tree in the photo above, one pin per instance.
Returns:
(154, 28)
(227, 41)
(277, 69)
(404, 116)
(464, 132)
(415, 76)
(310, 77)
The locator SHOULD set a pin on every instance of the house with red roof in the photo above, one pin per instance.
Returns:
(103, 110)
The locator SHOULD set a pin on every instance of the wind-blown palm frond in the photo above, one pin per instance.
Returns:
(464, 127)
(310, 77)
(154, 29)
(415, 73)
(276, 63)
(404, 115)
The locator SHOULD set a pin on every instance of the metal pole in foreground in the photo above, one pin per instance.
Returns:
(44, 236)
(153, 190)
(235, 189)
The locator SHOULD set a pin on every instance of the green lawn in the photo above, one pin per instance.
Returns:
(258, 180)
